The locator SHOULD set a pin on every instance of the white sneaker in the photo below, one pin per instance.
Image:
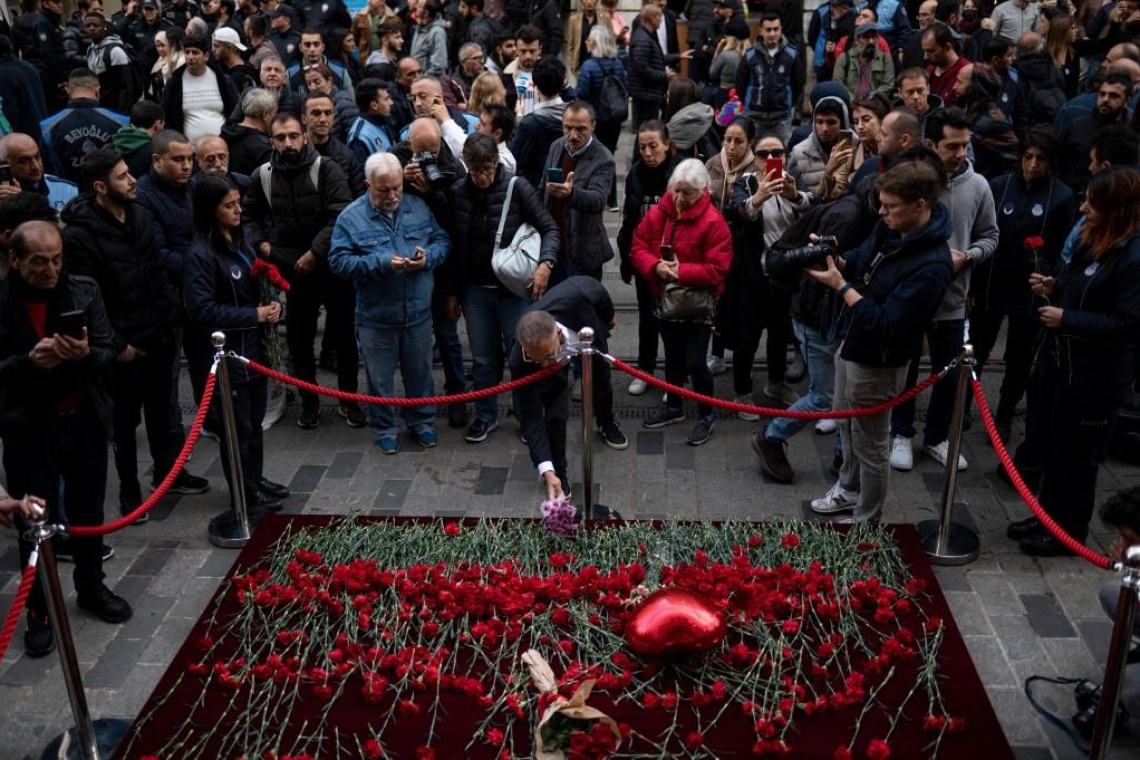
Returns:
(637, 386)
(823, 427)
(746, 416)
(940, 451)
(902, 456)
(715, 364)
(837, 499)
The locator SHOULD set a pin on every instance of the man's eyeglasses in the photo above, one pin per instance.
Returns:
(777, 153)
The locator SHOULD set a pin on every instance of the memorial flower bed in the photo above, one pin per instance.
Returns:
(419, 640)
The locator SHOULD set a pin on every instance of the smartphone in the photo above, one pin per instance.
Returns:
(5, 174)
(71, 324)
(667, 252)
(554, 174)
(847, 135)
(752, 183)
(774, 164)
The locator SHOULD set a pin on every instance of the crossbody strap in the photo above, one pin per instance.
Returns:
(506, 210)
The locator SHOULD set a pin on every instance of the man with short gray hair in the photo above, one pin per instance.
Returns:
(248, 140)
(392, 274)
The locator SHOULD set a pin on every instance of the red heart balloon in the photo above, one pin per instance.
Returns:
(674, 622)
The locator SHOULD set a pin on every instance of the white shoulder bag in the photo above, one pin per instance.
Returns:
(515, 264)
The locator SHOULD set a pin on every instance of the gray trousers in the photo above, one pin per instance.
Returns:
(866, 440)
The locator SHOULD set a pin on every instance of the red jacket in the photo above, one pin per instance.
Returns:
(700, 239)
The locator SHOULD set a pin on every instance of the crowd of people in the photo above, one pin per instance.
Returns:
(175, 168)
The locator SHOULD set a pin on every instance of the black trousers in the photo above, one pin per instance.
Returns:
(307, 293)
(645, 110)
(250, 397)
(648, 335)
(71, 448)
(608, 133)
(1020, 345)
(686, 346)
(142, 392)
(1066, 435)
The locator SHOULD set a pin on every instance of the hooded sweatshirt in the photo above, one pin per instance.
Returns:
(809, 158)
(689, 125)
(135, 145)
(901, 280)
(975, 232)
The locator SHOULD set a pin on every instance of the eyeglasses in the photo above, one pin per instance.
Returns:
(892, 206)
(483, 171)
(777, 153)
(471, 58)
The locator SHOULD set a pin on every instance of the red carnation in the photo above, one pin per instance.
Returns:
(878, 750)
(1033, 242)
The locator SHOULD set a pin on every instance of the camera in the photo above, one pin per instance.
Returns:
(787, 263)
(1088, 696)
(429, 165)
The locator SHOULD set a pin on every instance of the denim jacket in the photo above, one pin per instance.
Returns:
(364, 242)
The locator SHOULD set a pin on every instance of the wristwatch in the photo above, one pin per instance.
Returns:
(548, 263)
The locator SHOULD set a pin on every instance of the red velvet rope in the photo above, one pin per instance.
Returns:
(763, 411)
(360, 398)
(1027, 496)
(168, 481)
(13, 618)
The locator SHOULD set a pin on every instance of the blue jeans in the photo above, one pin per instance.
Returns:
(820, 358)
(385, 348)
(447, 341)
(491, 315)
(945, 338)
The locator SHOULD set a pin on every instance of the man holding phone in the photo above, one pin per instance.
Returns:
(55, 412)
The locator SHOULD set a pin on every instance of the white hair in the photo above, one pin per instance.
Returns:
(382, 165)
(604, 44)
(691, 172)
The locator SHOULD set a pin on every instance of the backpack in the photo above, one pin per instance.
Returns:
(613, 100)
(266, 172)
(134, 83)
(1045, 103)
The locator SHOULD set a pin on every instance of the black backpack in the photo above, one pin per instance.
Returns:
(134, 82)
(613, 100)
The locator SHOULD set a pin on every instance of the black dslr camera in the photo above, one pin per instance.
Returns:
(1088, 696)
(786, 263)
(429, 165)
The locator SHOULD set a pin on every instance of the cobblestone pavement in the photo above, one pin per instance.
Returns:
(1020, 616)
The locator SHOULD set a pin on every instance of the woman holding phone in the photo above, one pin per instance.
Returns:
(761, 206)
(220, 293)
(684, 242)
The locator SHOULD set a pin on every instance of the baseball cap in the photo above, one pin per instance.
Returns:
(283, 10)
(148, 5)
(229, 36)
(868, 28)
(733, 4)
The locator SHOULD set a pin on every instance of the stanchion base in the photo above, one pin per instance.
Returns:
(109, 734)
(226, 532)
(597, 512)
(962, 544)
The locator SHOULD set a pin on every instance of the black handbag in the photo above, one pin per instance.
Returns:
(684, 303)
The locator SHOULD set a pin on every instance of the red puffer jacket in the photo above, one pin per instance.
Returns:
(700, 239)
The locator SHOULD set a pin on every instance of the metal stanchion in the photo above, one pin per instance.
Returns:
(588, 508)
(229, 530)
(948, 542)
(89, 740)
(1122, 631)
